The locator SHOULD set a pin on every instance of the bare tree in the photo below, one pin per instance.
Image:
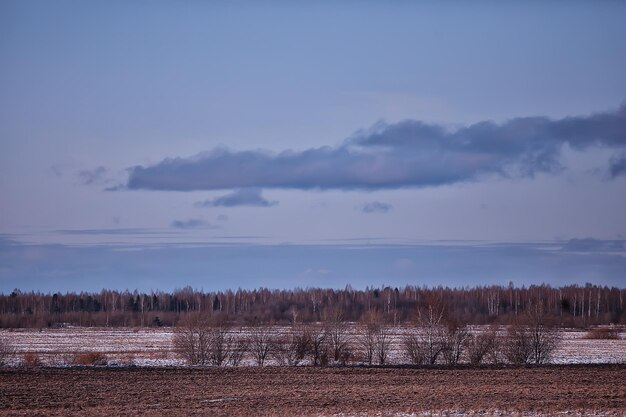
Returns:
(319, 346)
(300, 345)
(375, 341)
(531, 339)
(281, 351)
(497, 354)
(221, 341)
(413, 350)
(544, 338)
(239, 347)
(383, 343)
(430, 330)
(291, 348)
(516, 345)
(7, 350)
(337, 331)
(347, 356)
(262, 344)
(367, 342)
(454, 342)
(192, 339)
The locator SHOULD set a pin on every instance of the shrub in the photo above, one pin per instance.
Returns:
(31, 359)
(413, 350)
(237, 352)
(319, 347)
(455, 339)
(262, 344)
(608, 333)
(431, 330)
(192, 340)
(346, 357)
(291, 349)
(90, 359)
(531, 339)
(517, 345)
(481, 345)
(338, 338)
(383, 344)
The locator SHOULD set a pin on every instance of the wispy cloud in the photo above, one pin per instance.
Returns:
(190, 224)
(376, 207)
(57, 170)
(594, 245)
(54, 267)
(117, 231)
(406, 154)
(243, 197)
(101, 176)
(93, 176)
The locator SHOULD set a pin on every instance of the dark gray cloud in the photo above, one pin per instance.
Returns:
(406, 154)
(243, 197)
(594, 245)
(190, 224)
(376, 207)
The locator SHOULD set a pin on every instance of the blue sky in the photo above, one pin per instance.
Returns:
(224, 144)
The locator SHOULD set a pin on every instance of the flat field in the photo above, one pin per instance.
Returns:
(286, 391)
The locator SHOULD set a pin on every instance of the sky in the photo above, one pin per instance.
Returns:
(156, 145)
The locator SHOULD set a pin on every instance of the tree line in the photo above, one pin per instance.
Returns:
(572, 306)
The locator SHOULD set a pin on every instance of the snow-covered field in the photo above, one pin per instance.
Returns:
(153, 346)
(575, 348)
(122, 346)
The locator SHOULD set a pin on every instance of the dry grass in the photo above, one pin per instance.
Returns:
(90, 359)
(602, 333)
(30, 360)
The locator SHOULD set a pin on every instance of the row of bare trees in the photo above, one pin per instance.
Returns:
(202, 341)
(433, 340)
(529, 340)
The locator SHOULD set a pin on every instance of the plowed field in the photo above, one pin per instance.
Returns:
(282, 391)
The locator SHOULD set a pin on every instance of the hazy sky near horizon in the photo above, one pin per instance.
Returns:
(225, 144)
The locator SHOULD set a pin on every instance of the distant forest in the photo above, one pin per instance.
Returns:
(572, 306)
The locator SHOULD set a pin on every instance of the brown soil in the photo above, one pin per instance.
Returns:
(310, 391)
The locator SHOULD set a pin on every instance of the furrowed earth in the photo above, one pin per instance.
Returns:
(286, 391)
